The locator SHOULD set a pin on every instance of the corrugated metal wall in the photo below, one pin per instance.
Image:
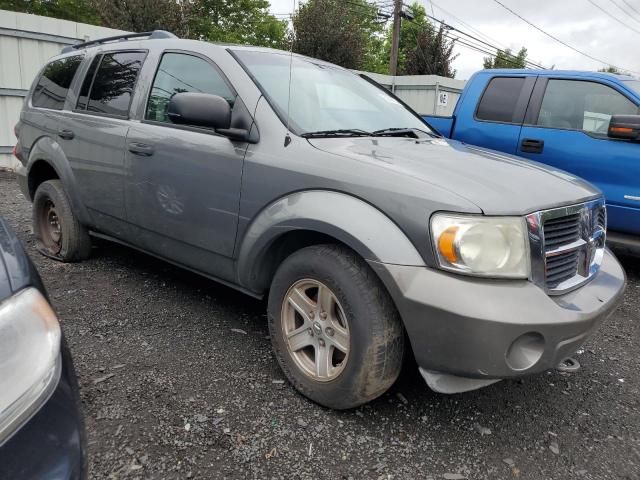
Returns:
(26, 43)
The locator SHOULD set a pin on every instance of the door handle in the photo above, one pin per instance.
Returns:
(530, 145)
(141, 149)
(66, 134)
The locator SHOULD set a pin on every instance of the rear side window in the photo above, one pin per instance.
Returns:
(178, 73)
(54, 83)
(111, 90)
(500, 99)
(86, 85)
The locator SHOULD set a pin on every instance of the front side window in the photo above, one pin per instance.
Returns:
(323, 96)
(53, 84)
(178, 73)
(500, 99)
(580, 105)
(112, 87)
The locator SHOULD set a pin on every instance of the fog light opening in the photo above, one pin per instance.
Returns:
(525, 351)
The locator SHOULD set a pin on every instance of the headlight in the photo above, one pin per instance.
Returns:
(484, 246)
(29, 358)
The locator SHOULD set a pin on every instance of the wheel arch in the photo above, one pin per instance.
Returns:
(313, 217)
(47, 161)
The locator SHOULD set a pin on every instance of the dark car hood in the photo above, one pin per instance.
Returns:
(497, 183)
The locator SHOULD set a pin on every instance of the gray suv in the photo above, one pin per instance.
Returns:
(292, 178)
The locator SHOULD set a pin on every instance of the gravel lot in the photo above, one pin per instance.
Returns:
(178, 381)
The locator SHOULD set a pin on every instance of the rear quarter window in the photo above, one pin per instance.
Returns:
(54, 82)
(500, 99)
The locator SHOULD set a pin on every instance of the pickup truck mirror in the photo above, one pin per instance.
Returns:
(200, 109)
(625, 127)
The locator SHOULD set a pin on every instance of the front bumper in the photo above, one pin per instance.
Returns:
(483, 330)
(23, 183)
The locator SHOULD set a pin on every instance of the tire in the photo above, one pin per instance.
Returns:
(59, 234)
(360, 306)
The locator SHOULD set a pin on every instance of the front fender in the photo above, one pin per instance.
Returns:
(348, 219)
(48, 150)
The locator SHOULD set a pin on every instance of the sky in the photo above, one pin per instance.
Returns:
(578, 23)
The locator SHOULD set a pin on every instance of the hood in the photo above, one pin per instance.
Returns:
(16, 270)
(499, 184)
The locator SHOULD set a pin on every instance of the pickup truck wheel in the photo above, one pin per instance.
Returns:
(334, 328)
(58, 232)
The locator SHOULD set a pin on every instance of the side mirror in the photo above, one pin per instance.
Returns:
(199, 109)
(625, 127)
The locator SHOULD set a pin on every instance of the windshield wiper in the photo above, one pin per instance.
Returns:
(343, 132)
(400, 132)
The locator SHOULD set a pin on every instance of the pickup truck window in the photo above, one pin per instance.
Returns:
(581, 105)
(53, 84)
(500, 98)
(179, 73)
(634, 84)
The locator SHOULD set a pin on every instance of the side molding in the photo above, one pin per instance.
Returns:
(350, 220)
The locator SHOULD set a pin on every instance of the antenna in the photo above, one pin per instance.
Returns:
(287, 137)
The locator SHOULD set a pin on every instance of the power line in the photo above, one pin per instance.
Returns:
(630, 6)
(558, 40)
(475, 30)
(628, 14)
(610, 15)
(487, 44)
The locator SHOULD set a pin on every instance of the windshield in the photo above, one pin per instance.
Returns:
(325, 97)
(634, 85)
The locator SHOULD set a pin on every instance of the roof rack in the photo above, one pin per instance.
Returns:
(156, 34)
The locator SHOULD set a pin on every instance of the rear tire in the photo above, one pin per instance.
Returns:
(58, 232)
(334, 328)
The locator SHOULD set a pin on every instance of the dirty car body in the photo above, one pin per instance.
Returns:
(321, 164)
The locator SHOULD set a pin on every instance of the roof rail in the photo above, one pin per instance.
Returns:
(156, 34)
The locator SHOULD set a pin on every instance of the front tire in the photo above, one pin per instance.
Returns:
(58, 232)
(334, 328)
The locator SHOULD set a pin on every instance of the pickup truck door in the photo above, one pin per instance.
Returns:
(495, 121)
(183, 184)
(566, 127)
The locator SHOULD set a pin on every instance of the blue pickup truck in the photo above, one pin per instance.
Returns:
(586, 123)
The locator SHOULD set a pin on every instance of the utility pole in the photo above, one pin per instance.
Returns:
(395, 39)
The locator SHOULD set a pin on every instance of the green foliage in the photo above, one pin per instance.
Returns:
(507, 59)
(344, 33)
(74, 10)
(237, 21)
(610, 69)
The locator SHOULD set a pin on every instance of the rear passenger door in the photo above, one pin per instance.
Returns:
(94, 136)
(183, 188)
(569, 118)
(497, 117)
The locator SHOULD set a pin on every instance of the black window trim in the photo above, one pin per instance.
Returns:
(135, 84)
(189, 128)
(521, 104)
(37, 80)
(533, 112)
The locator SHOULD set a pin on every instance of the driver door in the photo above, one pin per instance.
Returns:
(566, 127)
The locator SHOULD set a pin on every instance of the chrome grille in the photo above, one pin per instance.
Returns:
(567, 245)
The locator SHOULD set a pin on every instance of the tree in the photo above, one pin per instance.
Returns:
(145, 15)
(423, 50)
(506, 59)
(431, 55)
(338, 31)
(610, 69)
(74, 10)
(237, 21)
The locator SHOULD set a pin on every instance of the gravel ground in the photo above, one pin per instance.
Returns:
(178, 381)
